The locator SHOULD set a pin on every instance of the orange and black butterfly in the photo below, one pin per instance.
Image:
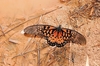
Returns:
(55, 36)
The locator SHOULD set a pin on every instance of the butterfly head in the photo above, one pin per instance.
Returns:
(59, 28)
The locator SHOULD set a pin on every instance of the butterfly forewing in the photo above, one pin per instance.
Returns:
(38, 30)
(74, 37)
(34, 30)
(78, 38)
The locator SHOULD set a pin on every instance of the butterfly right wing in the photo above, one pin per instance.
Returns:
(78, 38)
(74, 36)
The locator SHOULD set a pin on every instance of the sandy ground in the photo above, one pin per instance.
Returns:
(19, 50)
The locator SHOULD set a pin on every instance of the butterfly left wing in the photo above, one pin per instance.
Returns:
(37, 30)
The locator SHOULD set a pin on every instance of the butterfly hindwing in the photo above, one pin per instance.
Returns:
(56, 38)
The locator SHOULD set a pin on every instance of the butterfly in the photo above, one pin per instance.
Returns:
(55, 36)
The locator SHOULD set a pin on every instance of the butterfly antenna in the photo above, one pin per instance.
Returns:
(39, 19)
(58, 22)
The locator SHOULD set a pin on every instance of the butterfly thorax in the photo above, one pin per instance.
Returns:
(58, 28)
